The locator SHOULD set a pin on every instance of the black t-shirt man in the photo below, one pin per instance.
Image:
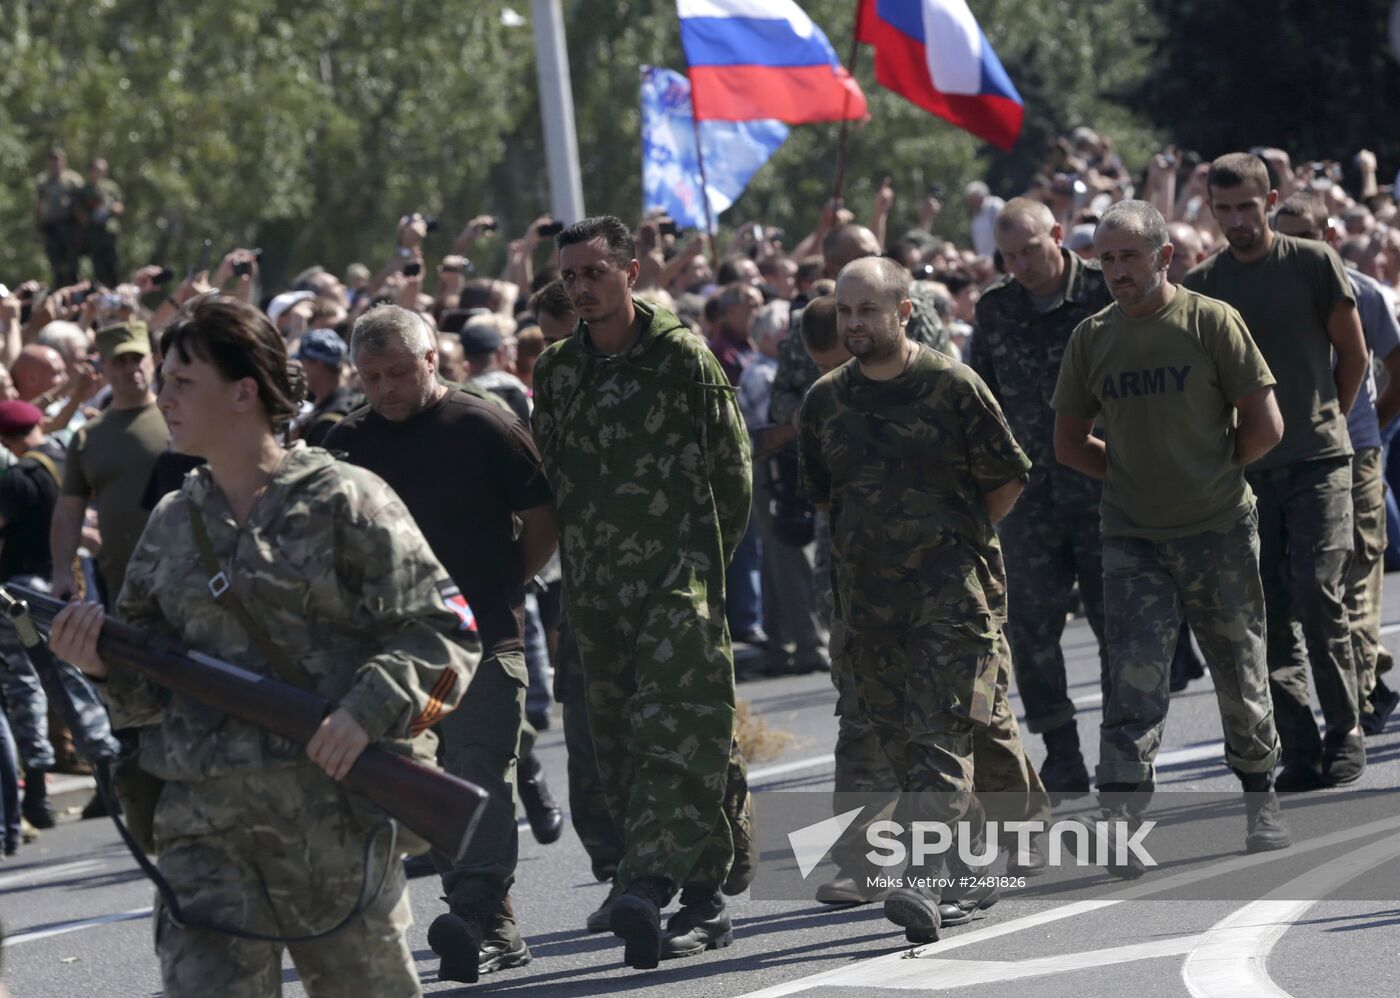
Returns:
(28, 495)
(462, 466)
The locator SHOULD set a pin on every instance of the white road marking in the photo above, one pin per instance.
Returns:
(41, 873)
(1232, 957)
(892, 969)
(63, 928)
(796, 765)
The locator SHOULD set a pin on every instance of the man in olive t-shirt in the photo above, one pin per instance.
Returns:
(1167, 370)
(109, 463)
(1299, 306)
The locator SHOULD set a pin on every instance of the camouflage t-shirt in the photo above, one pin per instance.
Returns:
(904, 464)
(1166, 385)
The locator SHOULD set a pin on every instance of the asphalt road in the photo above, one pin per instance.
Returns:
(74, 906)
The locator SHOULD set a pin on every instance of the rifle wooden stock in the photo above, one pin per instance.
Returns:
(443, 809)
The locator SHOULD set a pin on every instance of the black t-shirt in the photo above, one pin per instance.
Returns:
(167, 475)
(28, 495)
(462, 467)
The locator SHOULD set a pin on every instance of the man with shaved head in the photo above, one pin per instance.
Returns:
(1051, 540)
(908, 452)
(36, 372)
(1188, 249)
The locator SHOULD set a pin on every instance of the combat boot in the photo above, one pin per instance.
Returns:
(846, 889)
(915, 907)
(1383, 702)
(502, 947)
(1031, 862)
(600, 920)
(546, 820)
(456, 936)
(636, 920)
(36, 808)
(957, 903)
(1265, 830)
(1063, 771)
(1122, 807)
(701, 924)
(1343, 757)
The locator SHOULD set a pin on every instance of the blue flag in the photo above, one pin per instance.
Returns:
(734, 150)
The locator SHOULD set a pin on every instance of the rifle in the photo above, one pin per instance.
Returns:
(443, 809)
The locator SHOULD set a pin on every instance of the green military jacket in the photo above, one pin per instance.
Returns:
(648, 457)
(796, 373)
(334, 568)
(1017, 350)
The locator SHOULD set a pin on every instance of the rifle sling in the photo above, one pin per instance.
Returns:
(222, 591)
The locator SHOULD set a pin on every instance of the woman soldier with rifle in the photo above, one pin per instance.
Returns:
(287, 563)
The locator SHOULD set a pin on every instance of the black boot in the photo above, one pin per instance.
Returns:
(1265, 828)
(1343, 757)
(1063, 771)
(1383, 703)
(546, 820)
(847, 889)
(601, 920)
(636, 920)
(1032, 862)
(701, 924)
(1123, 805)
(456, 936)
(916, 906)
(502, 947)
(36, 808)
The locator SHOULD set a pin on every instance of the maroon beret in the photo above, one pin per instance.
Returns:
(18, 417)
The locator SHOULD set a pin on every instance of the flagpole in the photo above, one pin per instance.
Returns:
(839, 186)
(704, 189)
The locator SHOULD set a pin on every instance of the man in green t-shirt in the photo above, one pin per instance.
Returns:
(1169, 372)
(1299, 307)
(912, 456)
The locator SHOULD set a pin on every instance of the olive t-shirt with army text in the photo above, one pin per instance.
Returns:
(1285, 300)
(904, 464)
(1165, 385)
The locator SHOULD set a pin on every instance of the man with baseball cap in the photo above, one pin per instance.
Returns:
(323, 354)
(109, 462)
(28, 494)
(481, 344)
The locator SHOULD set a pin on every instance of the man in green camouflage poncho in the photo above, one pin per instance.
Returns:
(915, 460)
(647, 454)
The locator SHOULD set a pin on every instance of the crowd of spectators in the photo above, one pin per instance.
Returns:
(741, 297)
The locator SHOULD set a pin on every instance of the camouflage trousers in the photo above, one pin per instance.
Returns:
(1048, 550)
(1211, 578)
(659, 682)
(478, 742)
(1000, 764)
(279, 852)
(1305, 540)
(1366, 570)
(28, 705)
(588, 806)
(925, 692)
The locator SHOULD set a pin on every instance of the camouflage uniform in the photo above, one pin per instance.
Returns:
(649, 461)
(101, 229)
(1051, 539)
(919, 582)
(58, 223)
(247, 829)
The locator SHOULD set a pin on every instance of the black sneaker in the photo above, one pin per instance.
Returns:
(545, 817)
(1383, 702)
(636, 920)
(701, 924)
(456, 937)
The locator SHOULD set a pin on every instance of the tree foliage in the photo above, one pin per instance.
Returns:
(309, 126)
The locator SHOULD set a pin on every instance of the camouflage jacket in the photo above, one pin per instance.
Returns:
(1017, 351)
(797, 373)
(904, 464)
(648, 457)
(334, 568)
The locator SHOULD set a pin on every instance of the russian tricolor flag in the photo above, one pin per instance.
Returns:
(933, 53)
(752, 59)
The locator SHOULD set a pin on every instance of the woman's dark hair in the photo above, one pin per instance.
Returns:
(240, 342)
